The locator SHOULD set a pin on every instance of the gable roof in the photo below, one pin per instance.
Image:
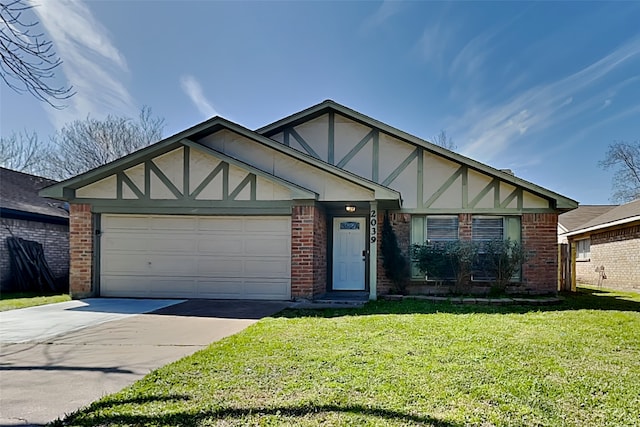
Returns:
(619, 215)
(561, 202)
(576, 218)
(19, 196)
(194, 133)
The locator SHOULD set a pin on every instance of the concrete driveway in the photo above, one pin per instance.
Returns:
(57, 358)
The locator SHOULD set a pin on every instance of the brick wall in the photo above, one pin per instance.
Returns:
(81, 254)
(54, 239)
(539, 273)
(401, 224)
(619, 252)
(308, 251)
(539, 238)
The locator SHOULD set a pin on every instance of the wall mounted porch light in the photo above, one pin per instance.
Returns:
(350, 208)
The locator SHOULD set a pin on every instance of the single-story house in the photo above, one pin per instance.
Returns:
(290, 211)
(25, 214)
(573, 220)
(607, 248)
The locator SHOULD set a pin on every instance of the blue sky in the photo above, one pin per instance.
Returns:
(541, 88)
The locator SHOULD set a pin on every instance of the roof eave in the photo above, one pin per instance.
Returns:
(605, 225)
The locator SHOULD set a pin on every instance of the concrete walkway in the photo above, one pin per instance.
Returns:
(57, 371)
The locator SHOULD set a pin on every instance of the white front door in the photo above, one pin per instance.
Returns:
(349, 254)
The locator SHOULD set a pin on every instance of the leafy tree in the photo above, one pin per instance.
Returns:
(394, 262)
(27, 60)
(624, 158)
(86, 144)
(23, 152)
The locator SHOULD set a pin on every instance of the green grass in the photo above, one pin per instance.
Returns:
(405, 363)
(13, 300)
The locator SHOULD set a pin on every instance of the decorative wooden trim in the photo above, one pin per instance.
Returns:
(186, 172)
(132, 186)
(355, 149)
(400, 168)
(249, 179)
(510, 198)
(483, 193)
(444, 187)
(208, 179)
(303, 143)
(166, 181)
(375, 162)
(332, 137)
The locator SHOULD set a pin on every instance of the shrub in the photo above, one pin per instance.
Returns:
(394, 262)
(447, 260)
(500, 261)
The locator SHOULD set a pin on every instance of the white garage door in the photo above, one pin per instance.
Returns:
(195, 257)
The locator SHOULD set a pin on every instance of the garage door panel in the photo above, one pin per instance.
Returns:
(168, 223)
(172, 265)
(265, 246)
(173, 245)
(220, 267)
(125, 264)
(220, 246)
(274, 288)
(227, 225)
(267, 226)
(129, 222)
(266, 268)
(114, 242)
(195, 257)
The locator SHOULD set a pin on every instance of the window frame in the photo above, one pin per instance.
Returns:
(583, 255)
(507, 232)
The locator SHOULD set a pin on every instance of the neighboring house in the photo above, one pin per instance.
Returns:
(24, 214)
(291, 210)
(574, 219)
(607, 248)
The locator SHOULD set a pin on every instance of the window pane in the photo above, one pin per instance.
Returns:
(487, 229)
(441, 229)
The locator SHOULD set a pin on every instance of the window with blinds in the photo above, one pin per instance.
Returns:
(486, 229)
(441, 228)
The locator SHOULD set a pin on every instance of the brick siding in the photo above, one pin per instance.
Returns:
(54, 239)
(308, 252)
(619, 252)
(81, 254)
(539, 238)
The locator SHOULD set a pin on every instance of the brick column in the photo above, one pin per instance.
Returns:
(401, 224)
(308, 252)
(539, 238)
(80, 250)
(464, 226)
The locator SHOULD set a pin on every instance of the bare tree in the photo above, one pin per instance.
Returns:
(624, 157)
(86, 144)
(23, 152)
(27, 60)
(445, 141)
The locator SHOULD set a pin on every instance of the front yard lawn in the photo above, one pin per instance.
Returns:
(13, 300)
(405, 363)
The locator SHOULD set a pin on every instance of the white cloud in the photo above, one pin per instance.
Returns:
(387, 9)
(194, 91)
(494, 127)
(92, 64)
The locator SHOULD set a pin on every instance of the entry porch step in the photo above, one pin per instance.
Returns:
(335, 299)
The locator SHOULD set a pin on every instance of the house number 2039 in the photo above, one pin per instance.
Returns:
(373, 222)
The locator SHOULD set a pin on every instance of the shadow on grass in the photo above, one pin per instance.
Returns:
(197, 417)
(584, 299)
